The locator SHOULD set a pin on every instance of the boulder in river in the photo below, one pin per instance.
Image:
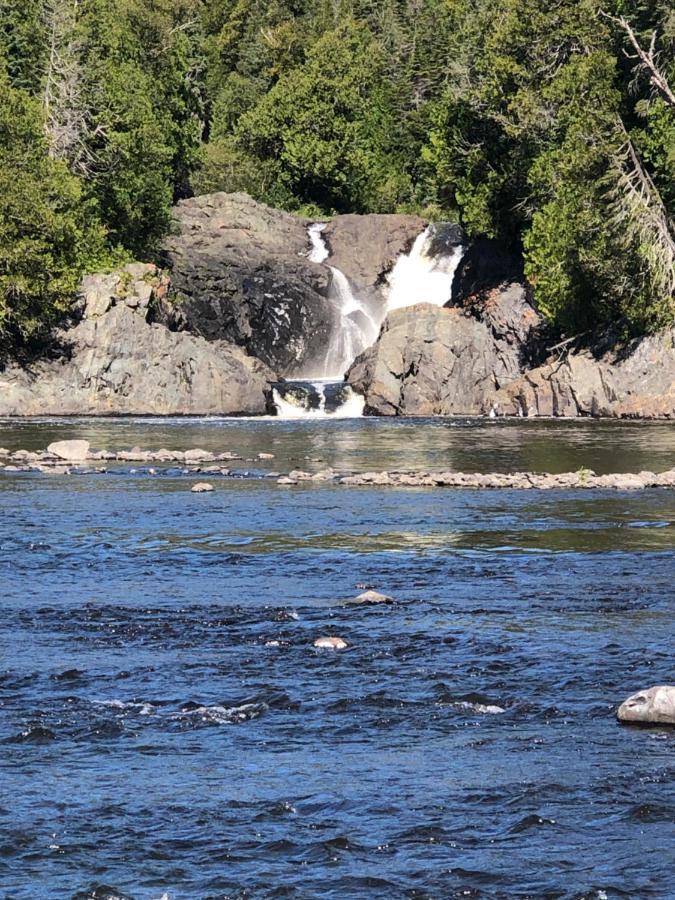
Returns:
(372, 597)
(430, 360)
(655, 705)
(330, 643)
(202, 487)
(71, 451)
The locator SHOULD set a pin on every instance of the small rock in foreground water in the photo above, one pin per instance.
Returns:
(330, 643)
(655, 705)
(202, 487)
(372, 597)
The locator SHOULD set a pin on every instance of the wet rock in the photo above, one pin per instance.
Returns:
(285, 479)
(299, 475)
(202, 487)
(115, 362)
(585, 478)
(330, 643)
(324, 475)
(197, 456)
(266, 456)
(372, 597)
(655, 705)
(73, 451)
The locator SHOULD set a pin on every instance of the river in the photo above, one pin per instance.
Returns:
(169, 730)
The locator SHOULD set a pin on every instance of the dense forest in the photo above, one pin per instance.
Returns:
(549, 124)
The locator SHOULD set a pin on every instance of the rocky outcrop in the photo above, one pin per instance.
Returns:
(445, 361)
(114, 362)
(634, 381)
(365, 248)
(240, 272)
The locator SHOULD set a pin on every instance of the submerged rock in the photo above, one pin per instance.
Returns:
(656, 705)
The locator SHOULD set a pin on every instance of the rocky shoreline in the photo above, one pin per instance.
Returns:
(76, 457)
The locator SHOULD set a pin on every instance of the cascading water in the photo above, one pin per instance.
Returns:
(357, 326)
(423, 276)
(317, 400)
(357, 329)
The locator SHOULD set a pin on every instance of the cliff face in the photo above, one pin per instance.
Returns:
(241, 272)
(115, 362)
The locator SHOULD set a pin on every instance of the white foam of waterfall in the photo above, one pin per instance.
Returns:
(357, 329)
(319, 252)
(295, 405)
(421, 278)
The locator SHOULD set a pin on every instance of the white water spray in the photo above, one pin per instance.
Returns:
(422, 278)
(319, 252)
(309, 400)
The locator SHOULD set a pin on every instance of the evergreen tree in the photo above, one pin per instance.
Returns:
(49, 233)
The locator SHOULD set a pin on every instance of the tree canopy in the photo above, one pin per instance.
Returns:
(548, 125)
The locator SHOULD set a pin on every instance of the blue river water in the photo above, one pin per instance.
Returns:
(168, 730)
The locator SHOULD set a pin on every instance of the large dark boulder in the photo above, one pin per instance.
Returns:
(241, 272)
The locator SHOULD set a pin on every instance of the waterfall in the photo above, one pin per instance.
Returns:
(357, 328)
(425, 275)
(422, 277)
(317, 400)
(319, 252)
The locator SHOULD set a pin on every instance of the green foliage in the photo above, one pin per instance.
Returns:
(326, 126)
(529, 121)
(550, 135)
(49, 234)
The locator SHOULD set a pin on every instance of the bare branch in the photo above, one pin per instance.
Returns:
(639, 213)
(646, 58)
